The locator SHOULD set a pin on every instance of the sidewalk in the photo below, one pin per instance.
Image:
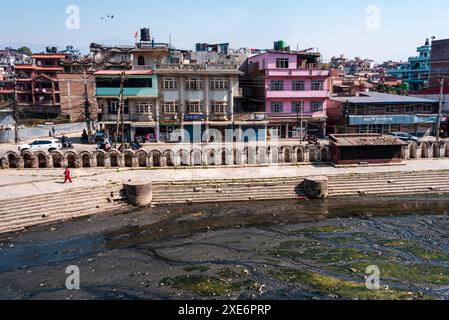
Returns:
(22, 183)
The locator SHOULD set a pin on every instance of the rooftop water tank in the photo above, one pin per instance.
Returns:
(145, 35)
(279, 45)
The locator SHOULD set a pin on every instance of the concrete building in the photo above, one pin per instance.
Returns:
(288, 84)
(38, 87)
(198, 99)
(416, 71)
(439, 62)
(373, 112)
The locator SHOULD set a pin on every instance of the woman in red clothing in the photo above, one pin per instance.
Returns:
(67, 175)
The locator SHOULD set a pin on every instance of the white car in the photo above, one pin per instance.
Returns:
(49, 145)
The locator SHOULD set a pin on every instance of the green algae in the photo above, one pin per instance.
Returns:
(207, 286)
(343, 288)
(410, 273)
(417, 251)
(227, 273)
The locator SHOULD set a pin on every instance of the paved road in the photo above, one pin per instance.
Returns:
(21, 183)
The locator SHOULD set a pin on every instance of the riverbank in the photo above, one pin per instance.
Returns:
(284, 250)
(35, 197)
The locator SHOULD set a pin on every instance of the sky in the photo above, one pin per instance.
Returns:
(377, 29)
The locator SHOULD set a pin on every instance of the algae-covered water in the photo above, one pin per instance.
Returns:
(254, 250)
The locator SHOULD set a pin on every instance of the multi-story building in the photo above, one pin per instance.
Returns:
(289, 85)
(372, 112)
(198, 99)
(439, 63)
(168, 97)
(415, 72)
(37, 85)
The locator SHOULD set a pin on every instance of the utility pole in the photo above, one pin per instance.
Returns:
(87, 109)
(15, 109)
(120, 109)
(440, 109)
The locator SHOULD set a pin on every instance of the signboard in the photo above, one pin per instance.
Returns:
(194, 117)
(393, 119)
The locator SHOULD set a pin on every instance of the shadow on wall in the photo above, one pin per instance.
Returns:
(309, 154)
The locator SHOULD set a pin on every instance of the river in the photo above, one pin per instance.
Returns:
(255, 250)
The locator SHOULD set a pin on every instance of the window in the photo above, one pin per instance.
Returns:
(194, 107)
(219, 84)
(316, 107)
(277, 85)
(409, 109)
(297, 107)
(427, 108)
(115, 105)
(170, 108)
(277, 107)
(220, 107)
(369, 110)
(129, 83)
(144, 107)
(282, 63)
(391, 109)
(141, 61)
(298, 85)
(169, 83)
(317, 85)
(194, 84)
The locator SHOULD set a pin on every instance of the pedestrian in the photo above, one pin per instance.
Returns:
(53, 131)
(67, 176)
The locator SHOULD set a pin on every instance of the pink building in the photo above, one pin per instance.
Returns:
(290, 86)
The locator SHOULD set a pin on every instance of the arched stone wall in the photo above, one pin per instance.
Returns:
(252, 155)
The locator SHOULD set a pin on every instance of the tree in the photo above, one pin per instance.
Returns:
(25, 50)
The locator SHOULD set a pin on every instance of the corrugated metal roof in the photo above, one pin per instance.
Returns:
(381, 98)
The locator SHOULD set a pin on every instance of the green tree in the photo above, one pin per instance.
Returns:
(25, 50)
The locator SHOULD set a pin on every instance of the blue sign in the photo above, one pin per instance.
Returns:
(194, 117)
(393, 119)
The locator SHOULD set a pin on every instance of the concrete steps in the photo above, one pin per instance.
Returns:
(21, 213)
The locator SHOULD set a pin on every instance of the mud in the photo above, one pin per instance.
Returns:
(257, 250)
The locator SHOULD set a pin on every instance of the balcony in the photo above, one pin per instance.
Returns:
(297, 94)
(298, 73)
(128, 92)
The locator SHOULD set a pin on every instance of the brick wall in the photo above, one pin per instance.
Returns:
(71, 88)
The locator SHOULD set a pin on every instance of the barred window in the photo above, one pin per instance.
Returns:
(282, 63)
(219, 84)
(194, 84)
(316, 107)
(195, 107)
(144, 107)
(391, 109)
(169, 83)
(298, 85)
(317, 85)
(220, 106)
(297, 106)
(277, 107)
(277, 85)
(170, 108)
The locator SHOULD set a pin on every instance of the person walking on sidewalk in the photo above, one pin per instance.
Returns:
(67, 175)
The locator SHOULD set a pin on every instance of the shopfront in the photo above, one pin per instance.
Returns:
(419, 125)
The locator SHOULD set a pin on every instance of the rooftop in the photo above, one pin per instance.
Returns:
(127, 73)
(350, 140)
(381, 98)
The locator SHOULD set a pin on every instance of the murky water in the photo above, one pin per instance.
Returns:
(257, 250)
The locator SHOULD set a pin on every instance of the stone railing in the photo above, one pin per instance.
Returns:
(183, 155)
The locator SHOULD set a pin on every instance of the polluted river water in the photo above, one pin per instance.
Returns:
(255, 250)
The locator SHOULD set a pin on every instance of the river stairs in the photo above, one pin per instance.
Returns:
(378, 184)
(48, 208)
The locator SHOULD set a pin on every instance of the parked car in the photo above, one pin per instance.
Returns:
(404, 136)
(49, 145)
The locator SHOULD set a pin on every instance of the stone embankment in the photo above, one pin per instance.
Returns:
(46, 208)
(20, 213)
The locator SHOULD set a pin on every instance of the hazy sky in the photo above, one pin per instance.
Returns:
(334, 27)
